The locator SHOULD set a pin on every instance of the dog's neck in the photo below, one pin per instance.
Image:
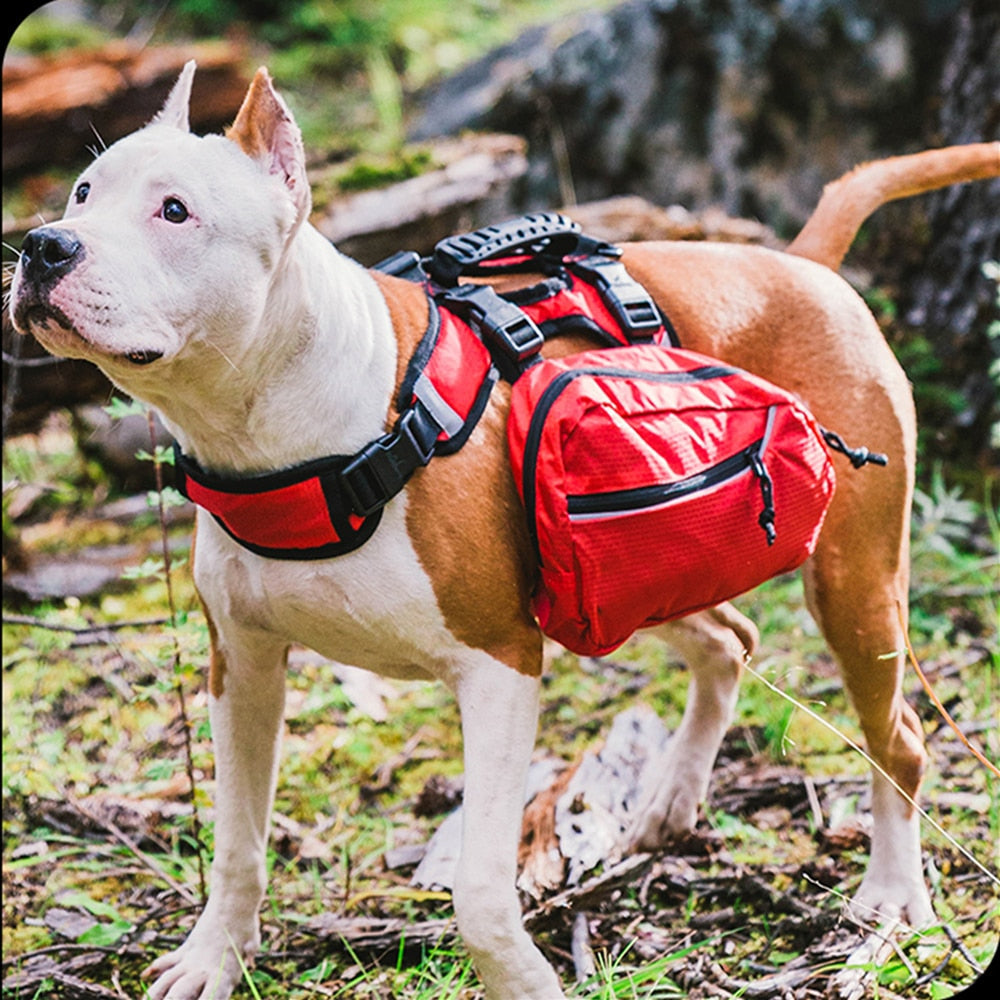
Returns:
(316, 377)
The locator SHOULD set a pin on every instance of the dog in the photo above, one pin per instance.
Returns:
(185, 268)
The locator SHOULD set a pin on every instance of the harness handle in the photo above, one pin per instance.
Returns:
(538, 234)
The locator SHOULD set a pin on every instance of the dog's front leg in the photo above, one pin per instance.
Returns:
(499, 709)
(246, 710)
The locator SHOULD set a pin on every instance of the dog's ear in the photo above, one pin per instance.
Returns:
(175, 110)
(265, 130)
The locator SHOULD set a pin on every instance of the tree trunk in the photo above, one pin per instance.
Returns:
(944, 291)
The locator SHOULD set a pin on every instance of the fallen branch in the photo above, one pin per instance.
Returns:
(588, 894)
(80, 630)
(39, 971)
(371, 934)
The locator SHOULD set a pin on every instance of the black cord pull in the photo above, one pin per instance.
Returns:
(767, 515)
(858, 456)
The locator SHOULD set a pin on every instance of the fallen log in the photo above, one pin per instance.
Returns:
(57, 106)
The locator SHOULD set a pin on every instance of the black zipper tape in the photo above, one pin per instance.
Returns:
(642, 497)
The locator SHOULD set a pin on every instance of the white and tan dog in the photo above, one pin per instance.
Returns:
(185, 268)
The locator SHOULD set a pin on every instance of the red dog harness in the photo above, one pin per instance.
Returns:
(332, 505)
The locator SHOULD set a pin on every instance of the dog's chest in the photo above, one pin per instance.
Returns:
(373, 608)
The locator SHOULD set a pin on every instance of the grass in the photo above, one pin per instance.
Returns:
(85, 724)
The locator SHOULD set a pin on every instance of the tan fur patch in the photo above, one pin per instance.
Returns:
(254, 124)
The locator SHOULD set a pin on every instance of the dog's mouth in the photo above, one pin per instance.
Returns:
(144, 357)
(47, 322)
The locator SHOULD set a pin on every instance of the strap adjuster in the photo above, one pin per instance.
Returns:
(382, 468)
(403, 264)
(630, 303)
(507, 331)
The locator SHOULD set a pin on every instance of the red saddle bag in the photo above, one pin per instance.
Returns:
(658, 482)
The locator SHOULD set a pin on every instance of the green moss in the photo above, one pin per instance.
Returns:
(367, 173)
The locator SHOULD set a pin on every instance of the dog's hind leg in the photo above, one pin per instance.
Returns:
(714, 644)
(246, 710)
(856, 587)
(499, 708)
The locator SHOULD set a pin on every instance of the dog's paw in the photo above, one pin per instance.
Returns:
(198, 970)
(664, 817)
(880, 902)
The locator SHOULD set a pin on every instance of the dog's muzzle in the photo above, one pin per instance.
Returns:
(47, 254)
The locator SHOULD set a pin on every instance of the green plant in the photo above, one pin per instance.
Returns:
(943, 517)
(991, 270)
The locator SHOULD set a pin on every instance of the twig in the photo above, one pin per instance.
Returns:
(956, 945)
(370, 933)
(122, 837)
(881, 770)
(781, 984)
(937, 701)
(19, 362)
(583, 954)
(51, 626)
(814, 803)
(176, 656)
(591, 891)
(865, 961)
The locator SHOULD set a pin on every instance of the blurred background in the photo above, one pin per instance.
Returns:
(681, 119)
(722, 109)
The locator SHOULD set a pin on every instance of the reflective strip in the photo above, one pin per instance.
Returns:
(447, 418)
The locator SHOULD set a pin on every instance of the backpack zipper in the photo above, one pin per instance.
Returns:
(616, 502)
(558, 385)
(638, 498)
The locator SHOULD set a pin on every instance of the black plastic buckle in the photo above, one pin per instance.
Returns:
(382, 468)
(507, 331)
(630, 303)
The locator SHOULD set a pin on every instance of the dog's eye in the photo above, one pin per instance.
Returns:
(174, 210)
(81, 192)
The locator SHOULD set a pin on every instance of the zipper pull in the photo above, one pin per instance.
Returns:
(766, 519)
(858, 456)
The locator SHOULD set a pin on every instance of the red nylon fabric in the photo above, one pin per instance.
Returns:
(290, 517)
(580, 299)
(605, 575)
(459, 362)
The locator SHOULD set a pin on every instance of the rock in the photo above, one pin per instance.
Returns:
(751, 105)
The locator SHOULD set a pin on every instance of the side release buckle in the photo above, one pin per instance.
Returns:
(630, 303)
(382, 468)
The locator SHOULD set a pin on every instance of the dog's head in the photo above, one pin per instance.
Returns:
(169, 240)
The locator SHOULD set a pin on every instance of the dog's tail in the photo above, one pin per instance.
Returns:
(846, 203)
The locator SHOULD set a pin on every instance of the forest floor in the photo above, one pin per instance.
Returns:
(107, 824)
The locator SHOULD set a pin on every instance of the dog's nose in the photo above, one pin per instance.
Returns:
(48, 253)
